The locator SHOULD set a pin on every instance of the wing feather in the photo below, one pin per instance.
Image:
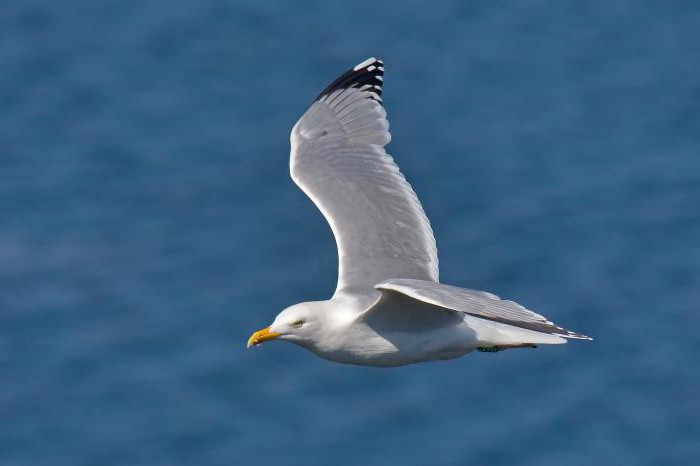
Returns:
(478, 304)
(338, 160)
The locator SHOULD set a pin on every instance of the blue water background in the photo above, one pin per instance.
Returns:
(149, 225)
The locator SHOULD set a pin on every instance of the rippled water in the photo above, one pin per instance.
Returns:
(149, 225)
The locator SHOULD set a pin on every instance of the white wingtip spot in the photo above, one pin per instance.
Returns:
(369, 61)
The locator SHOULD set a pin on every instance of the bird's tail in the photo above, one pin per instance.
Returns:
(495, 334)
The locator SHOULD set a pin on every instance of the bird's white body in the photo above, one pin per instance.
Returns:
(395, 330)
(389, 308)
(355, 338)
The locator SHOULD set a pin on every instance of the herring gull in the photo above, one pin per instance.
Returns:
(389, 308)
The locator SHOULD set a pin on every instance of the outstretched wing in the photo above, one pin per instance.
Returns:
(338, 160)
(476, 303)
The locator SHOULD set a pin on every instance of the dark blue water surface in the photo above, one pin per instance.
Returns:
(149, 225)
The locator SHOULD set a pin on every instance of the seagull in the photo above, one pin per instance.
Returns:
(389, 307)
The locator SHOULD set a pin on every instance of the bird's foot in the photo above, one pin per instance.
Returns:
(497, 348)
(488, 349)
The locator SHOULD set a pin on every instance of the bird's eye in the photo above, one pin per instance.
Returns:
(297, 323)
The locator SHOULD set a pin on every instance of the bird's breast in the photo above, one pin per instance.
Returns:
(363, 345)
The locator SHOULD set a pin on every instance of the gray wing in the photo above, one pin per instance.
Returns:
(338, 160)
(476, 303)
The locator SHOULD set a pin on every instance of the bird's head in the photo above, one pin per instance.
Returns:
(301, 324)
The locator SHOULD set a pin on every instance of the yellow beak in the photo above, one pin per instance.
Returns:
(261, 336)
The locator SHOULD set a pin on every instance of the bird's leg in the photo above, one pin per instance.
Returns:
(495, 349)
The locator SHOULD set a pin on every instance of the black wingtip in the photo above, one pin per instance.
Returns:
(368, 73)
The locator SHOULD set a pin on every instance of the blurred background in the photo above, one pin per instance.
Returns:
(149, 226)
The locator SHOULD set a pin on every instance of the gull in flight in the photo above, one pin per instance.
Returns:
(389, 308)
